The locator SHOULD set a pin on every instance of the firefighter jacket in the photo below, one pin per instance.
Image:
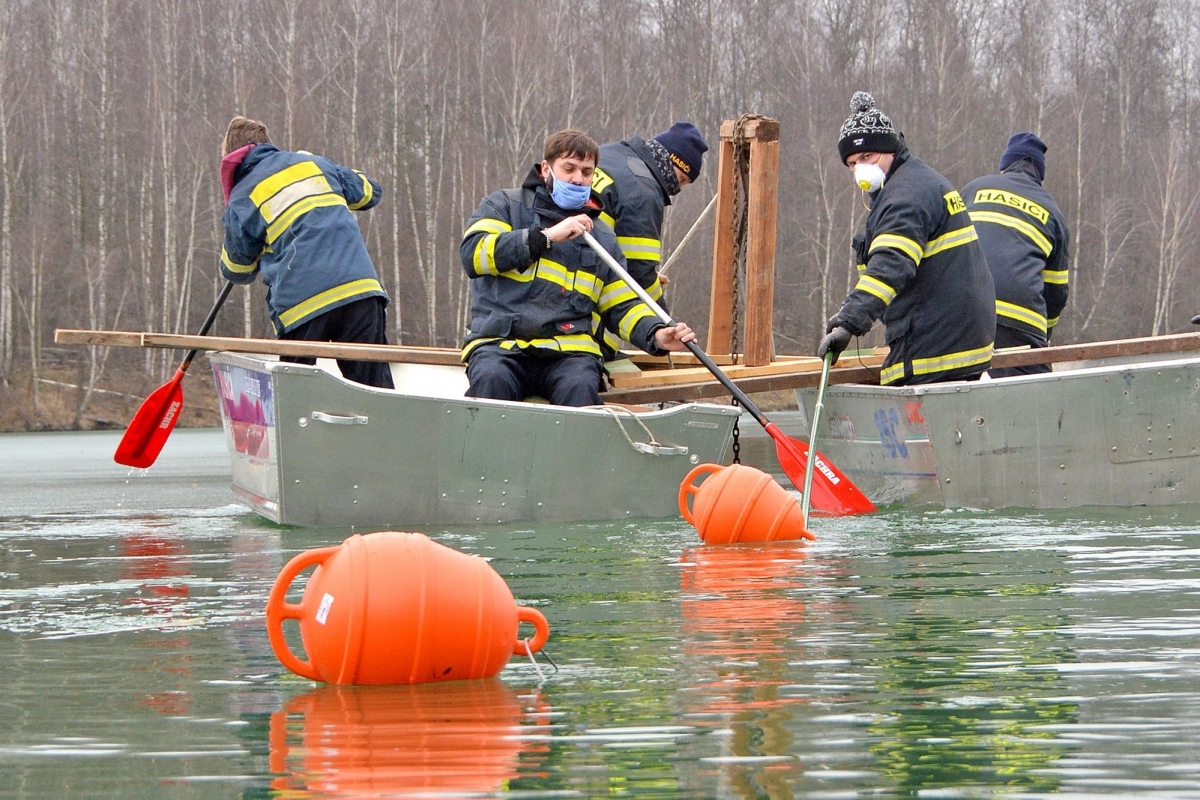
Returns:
(556, 299)
(1024, 236)
(921, 270)
(633, 196)
(289, 218)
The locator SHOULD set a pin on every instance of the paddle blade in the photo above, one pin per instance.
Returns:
(151, 425)
(832, 492)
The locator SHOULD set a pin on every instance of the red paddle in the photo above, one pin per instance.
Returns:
(156, 418)
(832, 492)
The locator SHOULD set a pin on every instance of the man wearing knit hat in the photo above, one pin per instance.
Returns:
(919, 262)
(1025, 237)
(636, 179)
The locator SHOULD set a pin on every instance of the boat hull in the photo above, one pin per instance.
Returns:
(1115, 434)
(311, 449)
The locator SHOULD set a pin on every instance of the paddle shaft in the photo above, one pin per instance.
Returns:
(700, 355)
(208, 323)
(812, 438)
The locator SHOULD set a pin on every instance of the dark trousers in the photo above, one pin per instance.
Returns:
(564, 379)
(361, 322)
(1011, 337)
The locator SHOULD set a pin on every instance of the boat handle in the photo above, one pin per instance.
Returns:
(334, 419)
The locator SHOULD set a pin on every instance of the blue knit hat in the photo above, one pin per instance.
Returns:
(1025, 145)
(686, 147)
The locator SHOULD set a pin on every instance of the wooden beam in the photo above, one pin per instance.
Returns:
(1119, 348)
(720, 309)
(277, 347)
(760, 249)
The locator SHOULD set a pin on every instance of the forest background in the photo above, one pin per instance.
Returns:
(112, 113)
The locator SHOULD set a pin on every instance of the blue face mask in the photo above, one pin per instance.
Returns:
(568, 195)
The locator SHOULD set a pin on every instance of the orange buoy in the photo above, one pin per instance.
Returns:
(738, 503)
(393, 608)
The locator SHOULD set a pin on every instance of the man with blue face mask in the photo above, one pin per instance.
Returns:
(920, 266)
(540, 295)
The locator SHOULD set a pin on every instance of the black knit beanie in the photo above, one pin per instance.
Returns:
(868, 130)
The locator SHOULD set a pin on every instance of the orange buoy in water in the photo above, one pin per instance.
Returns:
(738, 503)
(393, 608)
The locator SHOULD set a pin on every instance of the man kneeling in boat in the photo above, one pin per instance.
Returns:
(539, 293)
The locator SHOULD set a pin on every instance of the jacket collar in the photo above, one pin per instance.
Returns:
(1023, 167)
(545, 207)
(638, 145)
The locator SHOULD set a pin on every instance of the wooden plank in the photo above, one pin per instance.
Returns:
(760, 251)
(1120, 348)
(1117, 348)
(667, 377)
(764, 383)
(278, 347)
(720, 310)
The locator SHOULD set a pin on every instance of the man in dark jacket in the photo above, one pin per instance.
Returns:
(1025, 238)
(540, 294)
(636, 179)
(919, 262)
(287, 215)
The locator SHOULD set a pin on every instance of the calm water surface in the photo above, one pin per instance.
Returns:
(909, 654)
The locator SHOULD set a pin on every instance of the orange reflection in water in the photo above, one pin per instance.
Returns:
(158, 562)
(368, 741)
(741, 614)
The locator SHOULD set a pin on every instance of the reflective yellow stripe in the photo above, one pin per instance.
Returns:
(640, 248)
(1050, 323)
(1019, 225)
(950, 240)
(568, 343)
(612, 341)
(655, 290)
(588, 284)
(328, 298)
(285, 198)
(300, 209)
(368, 192)
(897, 242)
(608, 219)
(631, 319)
(1021, 314)
(861, 268)
(553, 272)
(268, 187)
(600, 181)
(233, 266)
(488, 225)
(892, 374)
(876, 287)
(1055, 276)
(964, 358)
(484, 258)
(614, 294)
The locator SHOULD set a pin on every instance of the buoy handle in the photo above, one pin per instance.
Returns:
(688, 487)
(541, 631)
(278, 609)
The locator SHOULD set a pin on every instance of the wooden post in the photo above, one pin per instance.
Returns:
(720, 307)
(759, 245)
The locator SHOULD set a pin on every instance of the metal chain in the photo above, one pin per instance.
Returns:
(737, 442)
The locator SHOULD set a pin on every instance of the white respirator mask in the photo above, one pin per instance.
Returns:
(869, 177)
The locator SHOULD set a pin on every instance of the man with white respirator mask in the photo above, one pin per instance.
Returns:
(920, 266)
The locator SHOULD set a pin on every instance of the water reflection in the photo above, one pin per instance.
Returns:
(155, 563)
(452, 739)
(740, 612)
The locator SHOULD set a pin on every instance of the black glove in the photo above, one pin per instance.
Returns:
(1196, 320)
(832, 323)
(835, 342)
